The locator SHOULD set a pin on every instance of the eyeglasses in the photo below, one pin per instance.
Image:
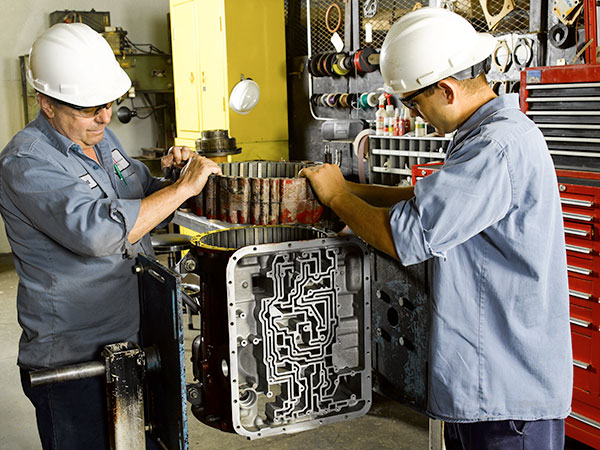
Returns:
(85, 111)
(409, 102)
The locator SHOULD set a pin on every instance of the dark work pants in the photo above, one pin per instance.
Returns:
(506, 435)
(72, 415)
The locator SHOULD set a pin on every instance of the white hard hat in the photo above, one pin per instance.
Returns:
(73, 63)
(244, 96)
(428, 45)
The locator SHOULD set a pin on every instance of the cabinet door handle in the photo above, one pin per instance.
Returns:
(576, 202)
(579, 322)
(576, 232)
(573, 216)
(580, 270)
(581, 364)
(578, 249)
(579, 294)
(581, 418)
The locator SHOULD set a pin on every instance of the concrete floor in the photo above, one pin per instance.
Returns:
(387, 426)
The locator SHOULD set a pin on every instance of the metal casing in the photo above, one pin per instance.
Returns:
(297, 314)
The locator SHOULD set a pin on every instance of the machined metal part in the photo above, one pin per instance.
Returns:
(494, 19)
(291, 343)
(259, 193)
(216, 143)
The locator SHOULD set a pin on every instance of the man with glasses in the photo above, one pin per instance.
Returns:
(490, 225)
(77, 211)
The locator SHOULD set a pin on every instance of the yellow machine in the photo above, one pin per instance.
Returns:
(216, 43)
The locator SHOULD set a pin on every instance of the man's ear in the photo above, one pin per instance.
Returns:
(46, 106)
(449, 88)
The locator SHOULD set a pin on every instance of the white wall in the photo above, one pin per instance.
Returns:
(23, 20)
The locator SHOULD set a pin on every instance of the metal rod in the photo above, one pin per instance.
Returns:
(67, 373)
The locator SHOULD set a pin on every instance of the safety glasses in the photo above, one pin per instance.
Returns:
(409, 101)
(87, 112)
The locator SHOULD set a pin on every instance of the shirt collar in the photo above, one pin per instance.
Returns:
(507, 101)
(60, 142)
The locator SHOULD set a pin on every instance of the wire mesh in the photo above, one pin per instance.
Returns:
(380, 15)
(320, 39)
(295, 21)
(516, 20)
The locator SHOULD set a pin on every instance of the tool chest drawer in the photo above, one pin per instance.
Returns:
(583, 423)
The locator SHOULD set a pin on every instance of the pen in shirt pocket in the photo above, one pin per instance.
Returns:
(118, 172)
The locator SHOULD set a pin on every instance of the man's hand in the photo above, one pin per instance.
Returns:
(176, 157)
(196, 172)
(327, 181)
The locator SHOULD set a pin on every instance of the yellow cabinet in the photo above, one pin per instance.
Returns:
(215, 43)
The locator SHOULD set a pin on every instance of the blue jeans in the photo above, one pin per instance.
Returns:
(71, 415)
(506, 435)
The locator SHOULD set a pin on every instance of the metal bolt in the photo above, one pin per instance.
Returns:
(190, 265)
(193, 393)
(562, 188)
(245, 284)
(138, 269)
(401, 301)
(378, 332)
(378, 293)
(401, 341)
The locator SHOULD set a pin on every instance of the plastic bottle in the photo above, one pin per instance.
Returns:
(397, 123)
(389, 120)
(405, 121)
(420, 129)
(380, 118)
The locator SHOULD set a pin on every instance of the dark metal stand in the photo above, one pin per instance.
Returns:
(124, 365)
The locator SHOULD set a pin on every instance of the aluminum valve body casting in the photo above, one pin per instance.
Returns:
(285, 343)
(259, 193)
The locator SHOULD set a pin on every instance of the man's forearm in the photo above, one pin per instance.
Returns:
(157, 207)
(369, 222)
(383, 196)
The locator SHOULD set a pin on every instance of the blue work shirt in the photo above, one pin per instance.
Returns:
(67, 219)
(491, 222)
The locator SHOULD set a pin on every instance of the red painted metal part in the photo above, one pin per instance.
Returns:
(578, 73)
(591, 30)
(580, 198)
(422, 170)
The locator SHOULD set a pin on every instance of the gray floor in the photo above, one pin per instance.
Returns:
(388, 425)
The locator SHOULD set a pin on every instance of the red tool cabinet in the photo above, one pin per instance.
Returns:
(580, 200)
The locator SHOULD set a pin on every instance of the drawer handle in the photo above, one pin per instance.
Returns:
(579, 294)
(581, 364)
(590, 422)
(576, 202)
(579, 270)
(574, 216)
(576, 232)
(578, 249)
(579, 322)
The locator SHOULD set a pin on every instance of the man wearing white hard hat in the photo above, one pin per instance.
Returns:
(490, 224)
(77, 211)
